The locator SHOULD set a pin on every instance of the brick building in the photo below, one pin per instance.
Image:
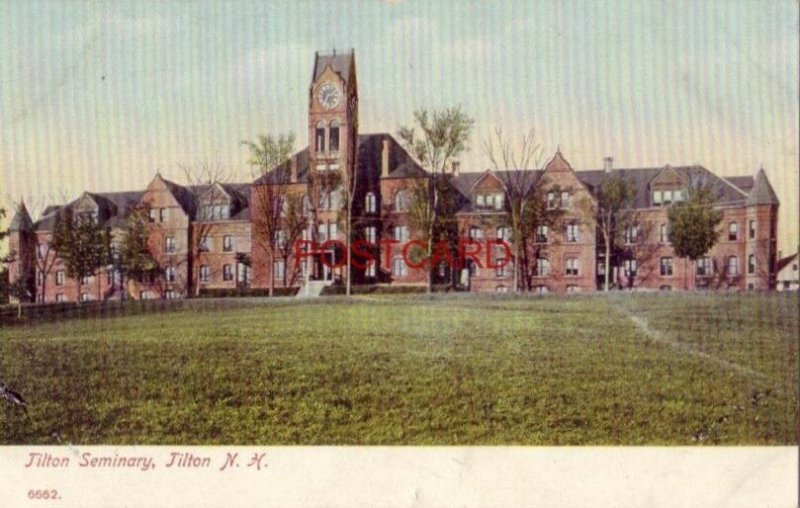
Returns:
(213, 236)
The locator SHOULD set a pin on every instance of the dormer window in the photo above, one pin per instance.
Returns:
(677, 195)
(657, 198)
(551, 200)
(163, 214)
(492, 201)
(564, 199)
(667, 197)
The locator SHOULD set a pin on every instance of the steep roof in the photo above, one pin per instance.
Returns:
(340, 63)
(118, 205)
(762, 192)
(743, 183)
(21, 220)
(784, 262)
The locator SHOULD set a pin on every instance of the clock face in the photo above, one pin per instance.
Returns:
(328, 95)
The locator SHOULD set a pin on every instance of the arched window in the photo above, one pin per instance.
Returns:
(306, 205)
(370, 205)
(333, 136)
(401, 201)
(320, 136)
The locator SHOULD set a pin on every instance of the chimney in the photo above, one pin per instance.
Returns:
(385, 159)
(456, 165)
(293, 169)
(608, 163)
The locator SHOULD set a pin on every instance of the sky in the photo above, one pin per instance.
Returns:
(100, 95)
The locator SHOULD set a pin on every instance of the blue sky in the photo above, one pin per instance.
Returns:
(100, 95)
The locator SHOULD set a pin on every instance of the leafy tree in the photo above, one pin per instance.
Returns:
(136, 260)
(82, 243)
(693, 223)
(613, 213)
(435, 141)
(272, 198)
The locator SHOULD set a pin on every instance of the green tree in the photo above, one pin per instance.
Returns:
(435, 141)
(268, 157)
(136, 260)
(82, 243)
(693, 223)
(613, 213)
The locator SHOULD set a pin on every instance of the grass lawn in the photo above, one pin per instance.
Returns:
(447, 369)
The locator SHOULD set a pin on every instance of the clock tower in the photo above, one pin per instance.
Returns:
(333, 115)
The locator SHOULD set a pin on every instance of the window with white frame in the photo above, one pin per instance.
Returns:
(399, 268)
(370, 270)
(371, 203)
(401, 233)
(205, 273)
(371, 234)
(572, 232)
(504, 233)
(666, 267)
(86, 297)
(60, 277)
(751, 264)
(169, 244)
(205, 243)
(169, 274)
(752, 229)
(499, 201)
(667, 197)
(41, 251)
(565, 199)
(571, 267)
(631, 234)
(151, 216)
(678, 195)
(542, 267)
(227, 243)
(163, 214)
(39, 278)
(401, 201)
(542, 233)
(279, 268)
(657, 198)
(227, 272)
(480, 200)
(475, 233)
(59, 297)
(733, 231)
(704, 267)
(86, 279)
(629, 267)
(663, 236)
(601, 267)
(503, 267)
(170, 294)
(733, 266)
(305, 205)
(280, 238)
(551, 200)
(145, 295)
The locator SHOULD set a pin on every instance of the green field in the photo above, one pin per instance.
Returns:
(440, 370)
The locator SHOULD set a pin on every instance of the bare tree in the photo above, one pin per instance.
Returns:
(269, 195)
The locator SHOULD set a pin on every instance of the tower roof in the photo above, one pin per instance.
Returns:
(340, 63)
(22, 219)
(762, 192)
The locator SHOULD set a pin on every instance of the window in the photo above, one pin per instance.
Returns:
(279, 268)
(601, 267)
(152, 215)
(170, 294)
(541, 289)
(320, 137)
(59, 297)
(399, 268)
(86, 297)
(370, 270)
(667, 197)
(565, 199)
(572, 267)
(657, 198)
(572, 288)
(39, 278)
(371, 234)
(205, 273)
(704, 267)
(227, 243)
(474, 271)
(499, 201)
(401, 201)
(752, 229)
(41, 251)
(503, 267)
(733, 266)
(401, 233)
(227, 272)
(551, 200)
(666, 267)
(629, 267)
(475, 233)
(60, 278)
(163, 214)
(501, 289)
(169, 274)
(504, 233)
(733, 231)
(542, 267)
(280, 239)
(145, 295)
(322, 232)
(664, 234)
(333, 136)
(572, 232)
(677, 196)
(306, 205)
(371, 204)
(169, 244)
(751, 264)
(480, 200)
(205, 244)
(86, 279)
(542, 233)
(631, 234)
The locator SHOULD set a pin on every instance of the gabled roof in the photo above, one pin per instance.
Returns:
(182, 195)
(743, 183)
(762, 192)
(784, 262)
(557, 163)
(119, 203)
(21, 220)
(340, 63)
